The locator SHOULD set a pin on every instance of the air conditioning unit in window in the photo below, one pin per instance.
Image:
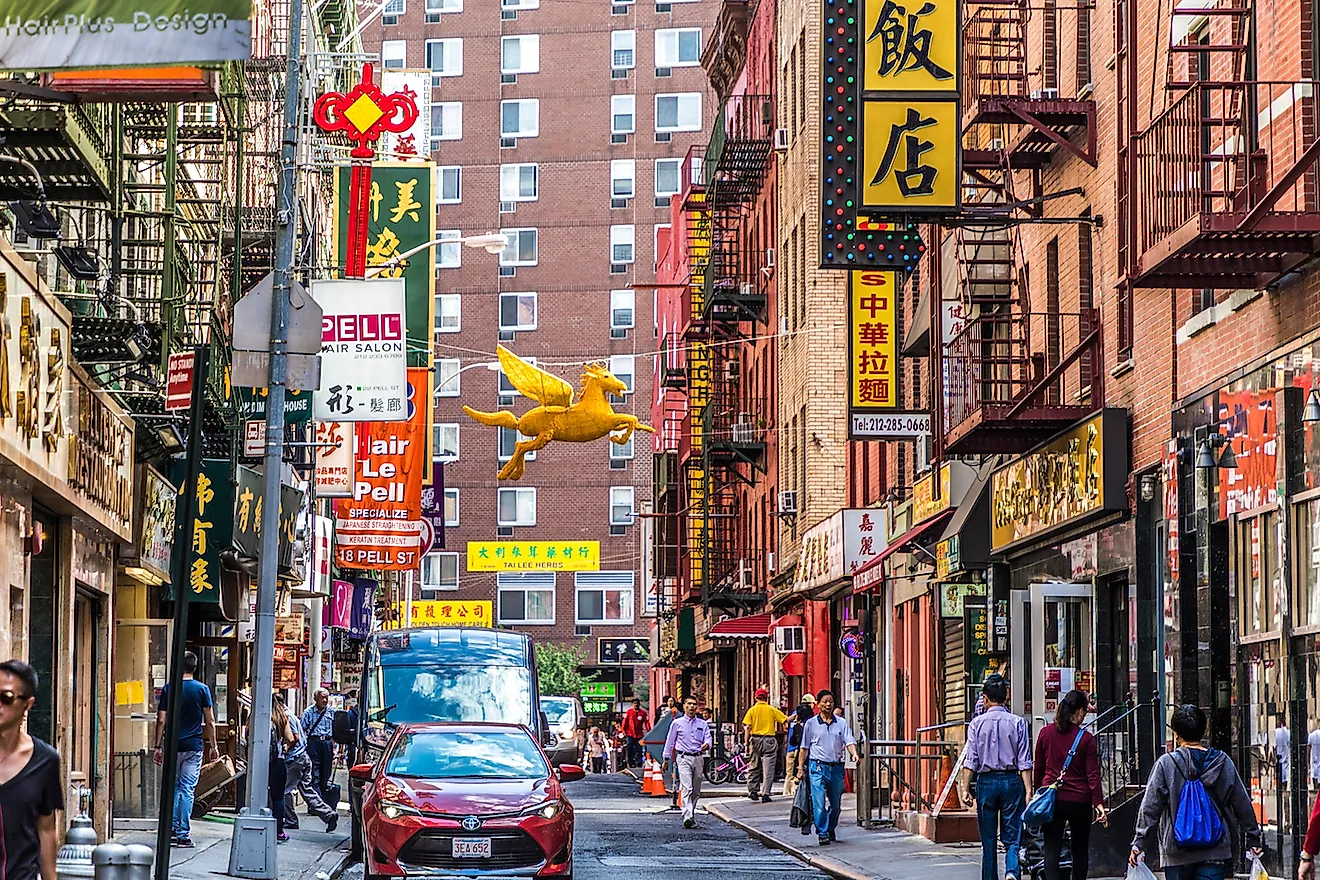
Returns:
(787, 504)
(730, 370)
(747, 288)
(744, 575)
(508, 79)
(783, 325)
(769, 258)
(770, 562)
(506, 143)
(1044, 94)
(781, 140)
(789, 639)
(743, 429)
(508, 207)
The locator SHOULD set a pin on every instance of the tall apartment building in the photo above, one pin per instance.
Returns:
(566, 130)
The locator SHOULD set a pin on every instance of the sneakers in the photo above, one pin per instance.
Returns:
(751, 795)
(331, 823)
(806, 829)
(689, 823)
(182, 843)
(832, 837)
(765, 798)
(282, 837)
(824, 841)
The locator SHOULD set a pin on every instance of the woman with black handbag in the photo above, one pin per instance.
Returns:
(1068, 761)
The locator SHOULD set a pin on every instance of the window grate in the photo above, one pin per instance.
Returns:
(618, 139)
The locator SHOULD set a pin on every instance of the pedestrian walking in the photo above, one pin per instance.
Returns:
(825, 738)
(196, 725)
(999, 760)
(318, 722)
(1197, 773)
(351, 705)
(31, 788)
(635, 725)
(761, 726)
(1079, 799)
(281, 737)
(299, 769)
(795, 724)
(1283, 751)
(688, 744)
(596, 746)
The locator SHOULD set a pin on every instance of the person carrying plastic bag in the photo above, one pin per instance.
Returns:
(1197, 804)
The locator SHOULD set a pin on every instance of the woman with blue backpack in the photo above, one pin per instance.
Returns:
(1197, 803)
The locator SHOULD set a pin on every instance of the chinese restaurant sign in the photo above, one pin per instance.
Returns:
(247, 516)
(156, 512)
(533, 556)
(698, 362)
(210, 532)
(1078, 475)
(401, 217)
(364, 362)
(414, 143)
(926, 500)
(838, 546)
(251, 404)
(874, 410)
(450, 612)
(56, 34)
(379, 527)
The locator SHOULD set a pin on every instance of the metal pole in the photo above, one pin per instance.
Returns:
(186, 513)
(252, 852)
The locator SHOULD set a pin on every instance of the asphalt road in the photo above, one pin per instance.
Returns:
(620, 833)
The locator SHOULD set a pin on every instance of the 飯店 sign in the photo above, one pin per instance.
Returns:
(364, 351)
(836, 547)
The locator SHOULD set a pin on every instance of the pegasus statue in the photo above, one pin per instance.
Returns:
(559, 416)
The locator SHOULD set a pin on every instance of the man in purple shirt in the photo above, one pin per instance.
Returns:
(999, 759)
(687, 745)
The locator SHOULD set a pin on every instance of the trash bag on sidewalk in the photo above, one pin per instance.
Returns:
(1139, 871)
(800, 816)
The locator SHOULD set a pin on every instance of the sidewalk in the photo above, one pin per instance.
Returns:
(309, 854)
(859, 854)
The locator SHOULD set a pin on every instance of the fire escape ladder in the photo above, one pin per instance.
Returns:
(1207, 41)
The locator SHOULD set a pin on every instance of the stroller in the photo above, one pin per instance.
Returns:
(1031, 855)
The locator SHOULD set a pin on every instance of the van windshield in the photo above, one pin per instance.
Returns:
(558, 711)
(399, 694)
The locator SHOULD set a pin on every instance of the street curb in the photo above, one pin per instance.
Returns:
(821, 863)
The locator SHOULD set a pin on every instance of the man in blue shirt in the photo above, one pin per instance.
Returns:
(196, 716)
(317, 722)
(824, 741)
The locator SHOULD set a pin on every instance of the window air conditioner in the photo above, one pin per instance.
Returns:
(788, 504)
(789, 639)
(781, 140)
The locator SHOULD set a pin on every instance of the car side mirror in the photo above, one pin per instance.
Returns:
(341, 729)
(547, 735)
(570, 773)
(362, 772)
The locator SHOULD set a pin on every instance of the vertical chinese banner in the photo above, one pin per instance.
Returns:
(413, 144)
(873, 350)
(334, 459)
(401, 216)
(211, 532)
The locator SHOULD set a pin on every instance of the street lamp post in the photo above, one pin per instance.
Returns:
(491, 243)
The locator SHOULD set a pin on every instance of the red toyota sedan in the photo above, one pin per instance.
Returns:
(468, 800)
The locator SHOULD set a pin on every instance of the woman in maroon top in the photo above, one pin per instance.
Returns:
(1079, 800)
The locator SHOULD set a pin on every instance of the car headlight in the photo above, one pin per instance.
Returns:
(547, 810)
(394, 809)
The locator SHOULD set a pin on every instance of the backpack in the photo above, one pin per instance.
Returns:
(1197, 824)
(795, 735)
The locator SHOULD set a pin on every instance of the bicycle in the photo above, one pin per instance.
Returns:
(734, 767)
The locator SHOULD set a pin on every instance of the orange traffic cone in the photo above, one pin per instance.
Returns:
(648, 778)
(658, 789)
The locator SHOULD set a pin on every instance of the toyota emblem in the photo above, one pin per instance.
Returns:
(471, 823)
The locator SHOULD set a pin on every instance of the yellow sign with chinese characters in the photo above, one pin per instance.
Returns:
(910, 155)
(450, 612)
(910, 45)
(872, 331)
(533, 556)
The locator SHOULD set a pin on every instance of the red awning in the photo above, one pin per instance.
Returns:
(755, 627)
(908, 537)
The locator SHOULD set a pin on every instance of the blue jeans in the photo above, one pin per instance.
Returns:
(1000, 799)
(1198, 871)
(185, 783)
(826, 793)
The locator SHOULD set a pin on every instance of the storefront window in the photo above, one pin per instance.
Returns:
(1258, 600)
(1307, 516)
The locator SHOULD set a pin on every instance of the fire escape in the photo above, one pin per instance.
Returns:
(1014, 375)
(1220, 189)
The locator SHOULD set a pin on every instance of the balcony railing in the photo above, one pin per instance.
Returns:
(994, 49)
(740, 143)
(692, 178)
(1226, 186)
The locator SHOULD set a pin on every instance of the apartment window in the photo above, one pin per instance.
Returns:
(391, 12)
(677, 47)
(446, 121)
(445, 441)
(622, 303)
(678, 112)
(623, 240)
(668, 173)
(621, 365)
(604, 597)
(623, 114)
(450, 254)
(444, 58)
(526, 597)
(623, 179)
(448, 313)
(520, 4)
(623, 49)
(520, 54)
(518, 183)
(522, 247)
(451, 507)
(451, 184)
(516, 507)
(439, 572)
(509, 438)
(621, 452)
(393, 53)
(520, 118)
(199, 114)
(446, 377)
(518, 311)
(438, 6)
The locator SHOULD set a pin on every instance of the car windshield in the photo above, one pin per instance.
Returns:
(501, 754)
(406, 694)
(557, 711)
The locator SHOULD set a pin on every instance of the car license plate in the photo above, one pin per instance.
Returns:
(471, 847)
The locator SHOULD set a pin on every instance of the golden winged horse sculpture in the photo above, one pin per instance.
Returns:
(559, 416)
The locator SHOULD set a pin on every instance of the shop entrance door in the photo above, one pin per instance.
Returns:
(1052, 647)
(141, 657)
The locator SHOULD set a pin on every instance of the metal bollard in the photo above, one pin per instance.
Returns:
(140, 859)
(110, 862)
(75, 857)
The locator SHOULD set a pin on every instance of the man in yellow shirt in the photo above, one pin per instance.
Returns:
(760, 726)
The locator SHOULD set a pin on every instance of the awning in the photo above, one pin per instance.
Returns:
(916, 342)
(928, 528)
(755, 627)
